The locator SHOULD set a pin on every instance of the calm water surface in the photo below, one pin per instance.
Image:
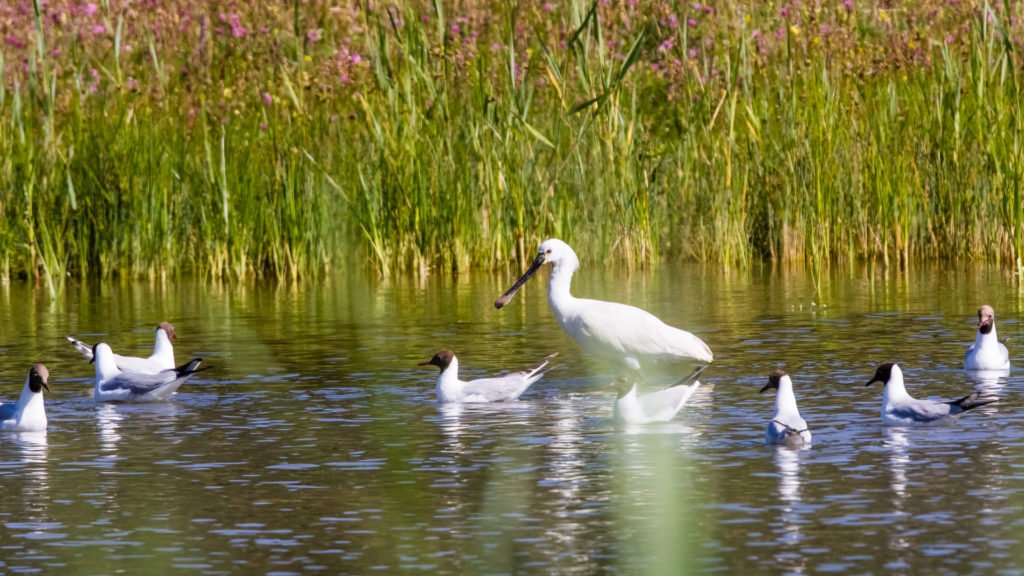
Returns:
(313, 443)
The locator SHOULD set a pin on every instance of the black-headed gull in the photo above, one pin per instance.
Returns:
(900, 409)
(27, 414)
(114, 385)
(498, 389)
(660, 406)
(987, 352)
(786, 426)
(618, 333)
(161, 359)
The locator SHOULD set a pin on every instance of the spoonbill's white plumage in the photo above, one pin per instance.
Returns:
(987, 352)
(27, 414)
(624, 335)
(499, 389)
(786, 427)
(115, 385)
(161, 359)
(900, 409)
(661, 406)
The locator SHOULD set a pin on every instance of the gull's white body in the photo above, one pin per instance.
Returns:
(115, 385)
(786, 426)
(899, 408)
(987, 353)
(161, 359)
(618, 333)
(26, 415)
(660, 406)
(499, 389)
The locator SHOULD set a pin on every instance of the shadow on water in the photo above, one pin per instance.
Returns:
(314, 442)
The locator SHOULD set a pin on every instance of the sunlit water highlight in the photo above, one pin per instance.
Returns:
(314, 444)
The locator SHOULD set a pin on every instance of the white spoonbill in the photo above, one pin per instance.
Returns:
(499, 389)
(786, 427)
(114, 385)
(28, 413)
(161, 359)
(660, 406)
(619, 333)
(987, 352)
(900, 409)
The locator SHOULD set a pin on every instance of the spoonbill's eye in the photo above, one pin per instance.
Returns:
(548, 251)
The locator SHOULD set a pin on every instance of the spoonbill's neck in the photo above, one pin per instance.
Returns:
(561, 278)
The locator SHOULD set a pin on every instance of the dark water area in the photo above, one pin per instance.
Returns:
(313, 443)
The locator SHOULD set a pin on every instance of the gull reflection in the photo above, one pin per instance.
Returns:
(899, 458)
(33, 447)
(789, 466)
(452, 425)
(989, 382)
(109, 417)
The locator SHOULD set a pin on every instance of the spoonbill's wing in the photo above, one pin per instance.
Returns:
(620, 329)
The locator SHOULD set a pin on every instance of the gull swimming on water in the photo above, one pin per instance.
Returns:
(987, 352)
(660, 406)
(619, 333)
(161, 359)
(28, 413)
(115, 385)
(899, 408)
(499, 389)
(786, 426)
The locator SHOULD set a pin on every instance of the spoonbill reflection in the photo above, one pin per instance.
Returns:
(660, 406)
(624, 335)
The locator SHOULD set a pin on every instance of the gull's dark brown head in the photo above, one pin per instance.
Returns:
(38, 378)
(773, 381)
(882, 374)
(442, 360)
(169, 329)
(986, 319)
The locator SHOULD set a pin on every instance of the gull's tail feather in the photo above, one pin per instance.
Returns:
(82, 347)
(972, 401)
(189, 368)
